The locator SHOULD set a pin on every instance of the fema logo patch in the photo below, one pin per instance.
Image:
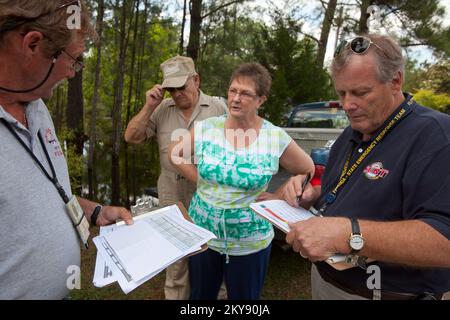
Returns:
(51, 139)
(375, 171)
(49, 136)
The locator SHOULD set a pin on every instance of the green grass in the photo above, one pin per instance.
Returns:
(288, 278)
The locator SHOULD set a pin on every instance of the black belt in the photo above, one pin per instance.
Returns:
(383, 294)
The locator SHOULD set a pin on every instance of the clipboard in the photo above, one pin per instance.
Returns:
(185, 213)
(144, 208)
(173, 231)
(265, 210)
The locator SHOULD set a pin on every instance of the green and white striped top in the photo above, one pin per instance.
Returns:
(229, 179)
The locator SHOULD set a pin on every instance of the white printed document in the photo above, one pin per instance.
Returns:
(279, 213)
(138, 252)
(103, 274)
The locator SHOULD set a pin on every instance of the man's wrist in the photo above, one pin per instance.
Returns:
(344, 231)
(150, 108)
(95, 214)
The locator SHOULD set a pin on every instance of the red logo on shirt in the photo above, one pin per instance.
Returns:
(50, 138)
(375, 171)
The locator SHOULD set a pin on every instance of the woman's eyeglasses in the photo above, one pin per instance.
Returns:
(243, 94)
(358, 45)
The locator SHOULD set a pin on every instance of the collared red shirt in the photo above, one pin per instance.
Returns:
(406, 176)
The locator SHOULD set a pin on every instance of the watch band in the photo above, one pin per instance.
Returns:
(95, 214)
(356, 233)
(355, 226)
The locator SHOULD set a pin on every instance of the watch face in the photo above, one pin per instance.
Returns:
(356, 242)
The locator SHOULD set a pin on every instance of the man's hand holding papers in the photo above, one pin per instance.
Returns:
(293, 221)
(137, 253)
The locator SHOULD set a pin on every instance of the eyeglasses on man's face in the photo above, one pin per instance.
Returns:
(77, 65)
(358, 45)
(245, 95)
(172, 90)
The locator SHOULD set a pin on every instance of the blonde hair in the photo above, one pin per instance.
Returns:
(44, 16)
(388, 57)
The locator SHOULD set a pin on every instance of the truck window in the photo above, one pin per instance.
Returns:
(320, 118)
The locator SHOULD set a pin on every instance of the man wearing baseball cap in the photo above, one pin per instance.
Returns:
(158, 118)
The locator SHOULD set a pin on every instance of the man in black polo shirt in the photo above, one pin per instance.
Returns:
(386, 190)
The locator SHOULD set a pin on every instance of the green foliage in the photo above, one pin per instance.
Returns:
(413, 76)
(155, 41)
(292, 63)
(428, 98)
(229, 37)
(230, 40)
(422, 20)
(433, 77)
(436, 76)
(226, 43)
(413, 22)
(75, 162)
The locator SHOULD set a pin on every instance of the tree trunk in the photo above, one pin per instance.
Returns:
(339, 23)
(117, 109)
(324, 34)
(183, 23)
(194, 33)
(60, 100)
(93, 131)
(363, 18)
(128, 114)
(74, 121)
(138, 94)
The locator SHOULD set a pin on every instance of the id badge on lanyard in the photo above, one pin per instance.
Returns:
(73, 208)
(79, 220)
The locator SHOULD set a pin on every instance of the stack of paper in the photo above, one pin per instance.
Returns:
(279, 213)
(134, 254)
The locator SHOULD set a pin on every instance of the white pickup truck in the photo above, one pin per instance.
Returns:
(312, 125)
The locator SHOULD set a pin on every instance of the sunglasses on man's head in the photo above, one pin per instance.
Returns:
(358, 45)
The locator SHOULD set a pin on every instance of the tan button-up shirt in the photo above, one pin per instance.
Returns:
(167, 117)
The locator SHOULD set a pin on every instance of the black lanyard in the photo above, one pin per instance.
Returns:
(52, 178)
(348, 170)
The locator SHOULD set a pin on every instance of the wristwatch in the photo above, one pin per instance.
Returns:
(95, 214)
(356, 240)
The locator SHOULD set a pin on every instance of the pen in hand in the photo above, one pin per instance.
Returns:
(304, 184)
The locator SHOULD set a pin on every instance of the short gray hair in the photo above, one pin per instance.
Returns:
(45, 17)
(257, 73)
(388, 57)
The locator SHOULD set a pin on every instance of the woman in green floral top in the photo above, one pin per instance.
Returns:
(236, 156)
